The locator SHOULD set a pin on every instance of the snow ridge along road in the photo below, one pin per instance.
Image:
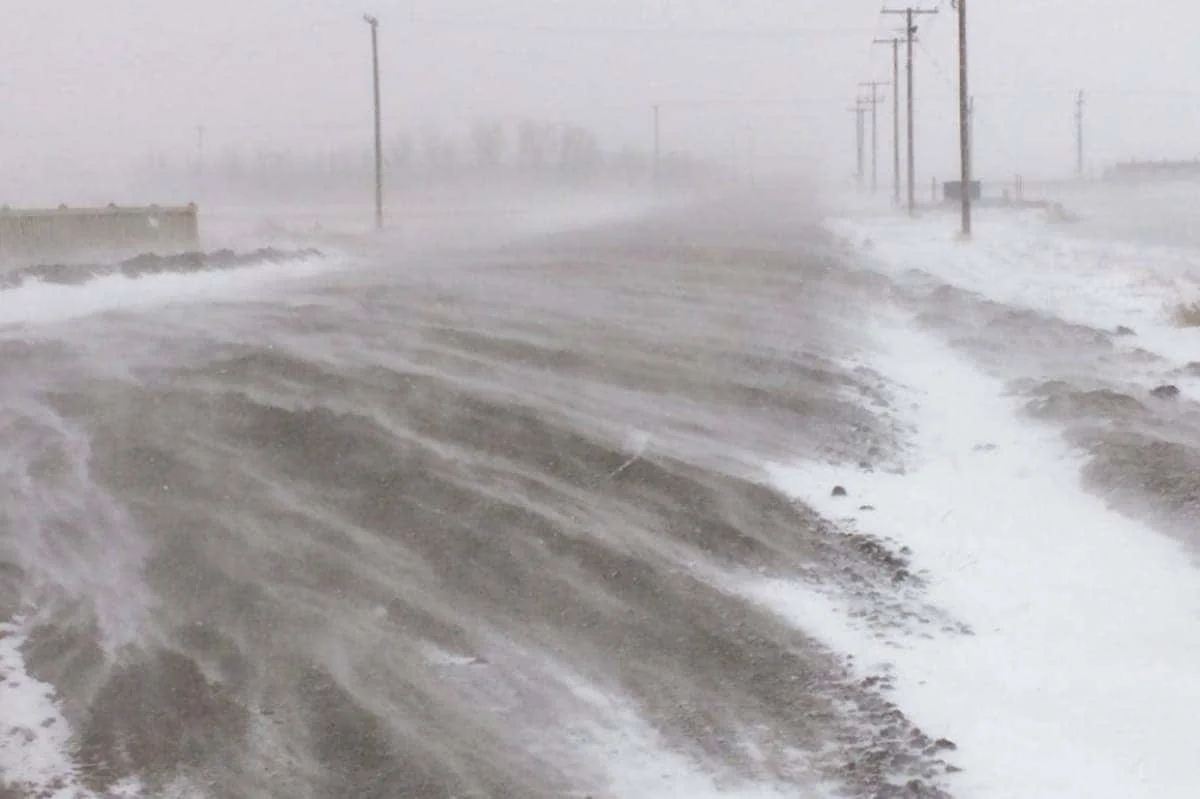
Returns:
(1078, 677)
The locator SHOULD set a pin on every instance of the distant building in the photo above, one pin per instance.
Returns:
(952, 190)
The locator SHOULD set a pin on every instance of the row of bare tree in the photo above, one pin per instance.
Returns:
(487, 149)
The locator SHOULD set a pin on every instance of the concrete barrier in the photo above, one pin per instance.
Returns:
(65, 233)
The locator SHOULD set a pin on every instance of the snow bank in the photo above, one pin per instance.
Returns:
(1021, 260)
(1079, 679)
(36, 302)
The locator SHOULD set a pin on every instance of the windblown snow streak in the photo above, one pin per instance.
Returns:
(445, 527)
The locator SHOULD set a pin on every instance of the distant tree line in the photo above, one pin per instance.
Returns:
(528, 150)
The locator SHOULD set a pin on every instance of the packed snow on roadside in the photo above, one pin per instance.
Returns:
(1020, 259)
(1078, 677)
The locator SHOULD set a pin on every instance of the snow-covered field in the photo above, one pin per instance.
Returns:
(1078, 677)
(1025, 261)
(418, 222)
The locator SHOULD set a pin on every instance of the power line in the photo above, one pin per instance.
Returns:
(937, 65)
(757, 34)
(1070, 90)
(876, 35)
(791, 102)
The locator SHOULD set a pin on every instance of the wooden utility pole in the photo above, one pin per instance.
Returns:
(964, 118)
(971, 131)
(895, 43)
(859, 110)
(1079, 135)
(910, 33)
(874, 102)
(374, 23)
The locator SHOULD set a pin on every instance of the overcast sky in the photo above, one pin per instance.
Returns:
(86, 81)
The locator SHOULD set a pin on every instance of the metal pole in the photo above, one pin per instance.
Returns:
(374, 23)
(964, 119)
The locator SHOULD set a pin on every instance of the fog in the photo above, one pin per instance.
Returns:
(94, 94)
(602, 470)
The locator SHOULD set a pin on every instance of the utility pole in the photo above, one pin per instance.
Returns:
(374, 23)
(910, 32)
(1079, 135)
(895, 43)
(971, 132)
(859, 110)
(874, 102)
(964, 118)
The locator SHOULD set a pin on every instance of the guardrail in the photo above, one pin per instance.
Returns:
(66, 232)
